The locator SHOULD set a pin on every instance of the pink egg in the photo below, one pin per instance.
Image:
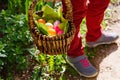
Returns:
(56, 23)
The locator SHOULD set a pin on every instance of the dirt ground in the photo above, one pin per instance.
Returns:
(107, 59)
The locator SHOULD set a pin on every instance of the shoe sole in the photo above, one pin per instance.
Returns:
(97, 44)
(95, 74)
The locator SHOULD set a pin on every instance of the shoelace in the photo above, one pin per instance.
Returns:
(85, 62)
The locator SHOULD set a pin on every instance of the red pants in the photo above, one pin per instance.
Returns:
(94, 13)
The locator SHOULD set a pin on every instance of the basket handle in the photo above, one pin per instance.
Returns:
(68, 13)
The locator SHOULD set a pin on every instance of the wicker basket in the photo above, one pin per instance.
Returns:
(58, 44)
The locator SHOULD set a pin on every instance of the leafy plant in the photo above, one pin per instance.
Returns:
(14, 42)
(48, 66)
(16, 6)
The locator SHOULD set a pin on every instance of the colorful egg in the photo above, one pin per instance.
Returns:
(49, 24)
(56, 23)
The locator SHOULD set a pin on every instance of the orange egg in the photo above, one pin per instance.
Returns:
(41, 21)
(51, 31)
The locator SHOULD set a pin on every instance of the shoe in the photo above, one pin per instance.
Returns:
(82, 65)
(106, 38)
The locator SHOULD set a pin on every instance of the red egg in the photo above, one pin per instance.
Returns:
(58, 30)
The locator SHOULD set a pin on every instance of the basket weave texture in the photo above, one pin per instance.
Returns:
(54, 45)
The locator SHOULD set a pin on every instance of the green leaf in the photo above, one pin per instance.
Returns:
(60, 14)
(36, 17)
(1, 46)
(50, 4)
(49, 13)
(64, 26)
(42, 28)
(26, 8)
(1, 63)
(62, 77)
(3, 55)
